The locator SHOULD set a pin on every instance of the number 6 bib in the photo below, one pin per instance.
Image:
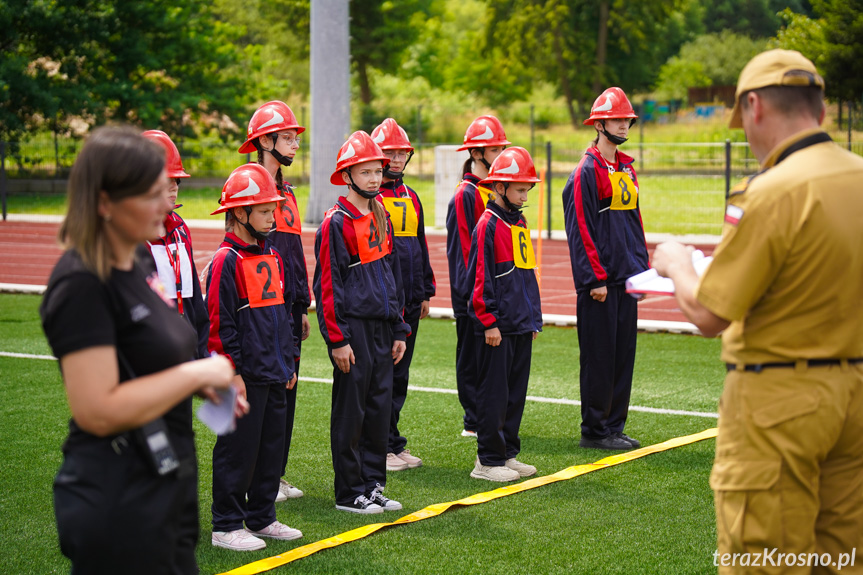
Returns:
(624, 193)
(522, 248)
(263, 282)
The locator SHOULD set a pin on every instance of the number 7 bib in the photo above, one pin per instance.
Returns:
(403, 215)
(263, 282)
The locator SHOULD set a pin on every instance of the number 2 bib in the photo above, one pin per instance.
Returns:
(624, 193)
(263, 282)
(370, 244)
(522, 248)
(288, 218)
(403, 215)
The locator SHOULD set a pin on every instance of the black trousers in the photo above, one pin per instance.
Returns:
(246, 463)
(503, 374)
(466, 370)
(401, 374)
(361, 405)
(115, 515)
(606, 337)
(291, 394)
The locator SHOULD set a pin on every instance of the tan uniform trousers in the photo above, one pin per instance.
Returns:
(788, 473)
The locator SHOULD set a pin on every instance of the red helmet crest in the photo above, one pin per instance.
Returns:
(270, 117)
(173, 163)
(484, 132)
(359, 148)
(612, 103)
(512, 165)
(390, 136)
(248, 185)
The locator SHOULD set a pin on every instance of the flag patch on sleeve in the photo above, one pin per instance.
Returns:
(733, 214)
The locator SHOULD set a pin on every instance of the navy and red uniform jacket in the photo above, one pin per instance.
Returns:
(258, 340)
(194, 309)
(504, 296)
(345, 287)
(463, 212)
(605, 246)
(290, 247)
(413, 251)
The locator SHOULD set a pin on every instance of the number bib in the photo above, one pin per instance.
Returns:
(486, 193)
(403, 215)
(370, 245)
(522, 248)
(263, 282)
(288, 218)
(624, 193)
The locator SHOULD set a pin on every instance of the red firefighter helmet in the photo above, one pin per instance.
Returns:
(358, 149)
(270, 117)
(248, 185)
(612, 103)
(390, 136)
(512, 165)
(173, 164)
(484, 132)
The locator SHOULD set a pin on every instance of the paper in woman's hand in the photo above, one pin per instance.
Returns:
(220, 417)
(650, 282)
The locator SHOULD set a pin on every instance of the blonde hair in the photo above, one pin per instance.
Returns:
(380, 214)
(116, 160)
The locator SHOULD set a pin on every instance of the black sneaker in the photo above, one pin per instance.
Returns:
(610, 443)
(361, 504)
(387, 504)
(633, 442)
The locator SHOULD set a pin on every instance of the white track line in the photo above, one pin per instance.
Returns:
(537, 399)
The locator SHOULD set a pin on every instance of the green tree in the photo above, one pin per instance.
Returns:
(843, 34)
(155, 63)
(719, 57)
(753, 18)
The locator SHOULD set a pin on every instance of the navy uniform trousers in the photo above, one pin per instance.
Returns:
(606, 339)
(501, 390)
(361, 406)
(291, 394)
(401, 374)
(246, 462)
(466, 370)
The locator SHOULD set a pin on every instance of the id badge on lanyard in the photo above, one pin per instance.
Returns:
(175, 270)
(288, 218)
(403, 215)
(624, 193)
(522, 248)
(371, 245)
(263, 282)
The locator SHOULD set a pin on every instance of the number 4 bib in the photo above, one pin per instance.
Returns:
(263, 283)
(624, 193)
(370, 244)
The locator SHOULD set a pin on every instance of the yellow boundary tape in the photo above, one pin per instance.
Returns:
(438, 508)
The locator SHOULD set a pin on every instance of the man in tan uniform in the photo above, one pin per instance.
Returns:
(786, 286)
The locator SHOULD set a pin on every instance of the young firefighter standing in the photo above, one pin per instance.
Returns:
(172, 252)
(484, 140)
(606, 246)
(506, 314)
(360, 301)
(250, 322)
(274, 132)
(406, 213)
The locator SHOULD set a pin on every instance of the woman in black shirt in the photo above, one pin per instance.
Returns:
(125, 497)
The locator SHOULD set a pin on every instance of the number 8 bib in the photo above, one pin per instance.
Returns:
(263, 282)
(624, 193)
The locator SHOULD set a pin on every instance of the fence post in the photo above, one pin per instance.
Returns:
(532, 139)
(420, 137)
(3, 176)
(548, 191)
(850, 103)
(727, 168)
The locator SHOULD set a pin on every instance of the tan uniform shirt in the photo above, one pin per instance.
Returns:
(788, 272)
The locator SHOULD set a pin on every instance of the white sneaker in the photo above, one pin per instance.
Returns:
(500, 473)
(523, 469)
(412, 460)
(395, 463)
(377, 497)
(277, 530)
(361, 504)
(287, 491)
(237, 540)
(468, 433)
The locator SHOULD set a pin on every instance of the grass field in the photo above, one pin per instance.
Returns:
(653, 515)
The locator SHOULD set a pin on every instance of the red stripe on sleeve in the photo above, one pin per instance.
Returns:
(482, 275)
(464, 228)
(589, 246)
(214, 342)
(328, 306)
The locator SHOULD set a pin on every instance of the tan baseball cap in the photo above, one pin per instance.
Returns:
(774, 68)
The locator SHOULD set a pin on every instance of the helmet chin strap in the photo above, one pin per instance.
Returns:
(616, 140)
(398, 175)
(283, 160)
(509, 205)
(363, 193)
(260, 236)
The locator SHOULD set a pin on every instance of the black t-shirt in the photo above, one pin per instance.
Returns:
(79, 311)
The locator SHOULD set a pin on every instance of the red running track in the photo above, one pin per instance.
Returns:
(28, 252)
